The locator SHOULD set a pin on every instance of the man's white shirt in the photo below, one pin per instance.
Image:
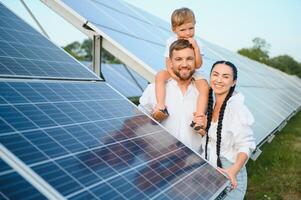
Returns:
(180, 107)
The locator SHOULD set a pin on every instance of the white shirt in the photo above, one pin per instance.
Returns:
(236, 136)
(180, 108)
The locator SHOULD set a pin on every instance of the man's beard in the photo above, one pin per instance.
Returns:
(184, 78)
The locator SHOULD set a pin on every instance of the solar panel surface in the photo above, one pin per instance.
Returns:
(14, 186)
(86, 140)
(122, 78)
(26, 53)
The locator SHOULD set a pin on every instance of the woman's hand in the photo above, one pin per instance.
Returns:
(231, 173)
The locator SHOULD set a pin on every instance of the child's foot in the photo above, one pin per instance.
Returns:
(160, 115)
(200, 126)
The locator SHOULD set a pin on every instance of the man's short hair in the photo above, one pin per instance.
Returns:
(181, 16)
(179, 45)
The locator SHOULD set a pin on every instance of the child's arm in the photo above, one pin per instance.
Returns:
(197, 53)
(201, 106)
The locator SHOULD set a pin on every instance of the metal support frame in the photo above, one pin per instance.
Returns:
(96, 55)
(27, 173)
(133, 78)
(255, 154)
(34, 19)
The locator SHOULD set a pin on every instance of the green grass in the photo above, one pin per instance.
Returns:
(276, 174)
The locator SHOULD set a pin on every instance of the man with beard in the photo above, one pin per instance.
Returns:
(181, 96)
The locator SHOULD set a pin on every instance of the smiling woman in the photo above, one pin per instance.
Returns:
(229, 140)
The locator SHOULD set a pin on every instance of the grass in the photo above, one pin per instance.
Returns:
(276, 174)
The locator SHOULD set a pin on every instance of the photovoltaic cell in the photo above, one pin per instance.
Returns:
(136, 32)
(14, 186)
(26, 53)
(122, 78)
(87, 141)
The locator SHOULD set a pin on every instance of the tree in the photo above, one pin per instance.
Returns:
(286, 64)
(83, 51)
(258, 52)
(75, 50)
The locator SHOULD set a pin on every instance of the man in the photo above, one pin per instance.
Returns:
(181, 95)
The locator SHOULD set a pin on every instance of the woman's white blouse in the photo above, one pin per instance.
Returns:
(236, 136)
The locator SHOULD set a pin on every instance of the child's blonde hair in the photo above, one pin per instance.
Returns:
(181, 16)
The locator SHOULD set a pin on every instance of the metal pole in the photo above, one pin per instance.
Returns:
(96, 55)
(33, 17)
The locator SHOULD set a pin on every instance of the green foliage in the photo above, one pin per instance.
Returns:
(75, 50)
(135, 100)
(83, 51)
(276, 174)
(260, 52)
(286, 64)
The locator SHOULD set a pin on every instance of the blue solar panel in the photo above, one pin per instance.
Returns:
(122, 78)
(26, 53)
(134, 32)
(14, 186)
(87, 141)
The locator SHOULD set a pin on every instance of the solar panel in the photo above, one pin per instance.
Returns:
(87, 141)
(134, 32)
(26, 53)
(122, 78)
(14, 186)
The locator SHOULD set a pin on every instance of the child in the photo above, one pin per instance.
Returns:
(183, 25)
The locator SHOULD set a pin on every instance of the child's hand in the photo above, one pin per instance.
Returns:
(193, 42)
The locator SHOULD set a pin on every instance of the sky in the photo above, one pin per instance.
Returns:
(231, 24)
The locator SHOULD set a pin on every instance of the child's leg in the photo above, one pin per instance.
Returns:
(203, 88)
(160, 82)
(202, 101)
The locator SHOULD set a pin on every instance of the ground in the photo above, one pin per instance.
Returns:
(276, 174)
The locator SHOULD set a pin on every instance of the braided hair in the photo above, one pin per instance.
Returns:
(221, 112)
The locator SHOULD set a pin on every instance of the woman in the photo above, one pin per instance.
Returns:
(229, 140)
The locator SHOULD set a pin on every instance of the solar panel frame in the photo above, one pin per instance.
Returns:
(12, 181)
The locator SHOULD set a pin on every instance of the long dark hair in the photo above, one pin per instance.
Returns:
(221, 112)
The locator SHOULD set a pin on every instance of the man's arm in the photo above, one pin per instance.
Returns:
(147, 101)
